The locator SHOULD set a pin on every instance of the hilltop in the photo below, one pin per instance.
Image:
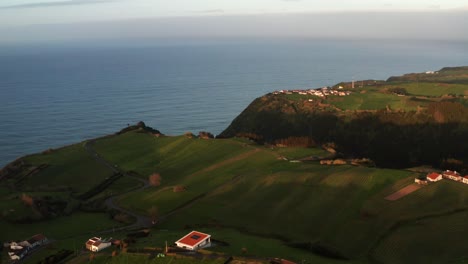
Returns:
(411, 120)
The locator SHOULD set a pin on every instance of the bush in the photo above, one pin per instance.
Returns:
(154, 179)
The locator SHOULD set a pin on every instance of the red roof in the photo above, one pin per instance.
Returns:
(39, 237)
(452, 173)
(193, 238)
(93, 241)
(433, 175)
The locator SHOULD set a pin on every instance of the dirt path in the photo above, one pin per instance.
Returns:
(403, 192)
(141, 220)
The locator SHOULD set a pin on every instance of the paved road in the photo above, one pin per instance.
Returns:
(141, 220)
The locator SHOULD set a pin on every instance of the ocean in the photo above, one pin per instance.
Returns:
(54, 95)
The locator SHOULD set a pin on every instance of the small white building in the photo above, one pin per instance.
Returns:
(420, 181)
(465, 179)
(95, 244)
(194, 240)
(452, 175)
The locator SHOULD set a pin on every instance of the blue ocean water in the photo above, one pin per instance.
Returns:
(51, 96)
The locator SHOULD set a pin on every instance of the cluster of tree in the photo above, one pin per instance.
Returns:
(391, 139)
(296, 142)
(398, 90)
(154, 179)
(140, 126)
(205, 135)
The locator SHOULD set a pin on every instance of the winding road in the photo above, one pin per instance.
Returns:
(141, 220)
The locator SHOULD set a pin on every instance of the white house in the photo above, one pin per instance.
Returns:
(194, 240)
(420, 181)
(434, 177)
(465, 179)
(95, 244)
(452, 175)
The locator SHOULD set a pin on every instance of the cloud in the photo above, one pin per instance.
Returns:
(211, 11)
(57, 3)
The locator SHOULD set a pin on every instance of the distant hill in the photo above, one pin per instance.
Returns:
(414, 119)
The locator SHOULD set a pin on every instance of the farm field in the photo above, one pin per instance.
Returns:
(70, 166)
(247, 195)
(431, 89)
(399, 246)
(370, 100)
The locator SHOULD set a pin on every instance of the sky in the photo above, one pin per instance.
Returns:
(55, 20)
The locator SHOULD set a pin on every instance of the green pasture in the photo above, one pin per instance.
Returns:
(432, 89)
(107, 258)
(70, 167)
(256, 246)
(299, 153)
(243, 194)
(171, 157)
(370, 100)
(64, 227)
(440, 239)
(196, 184)
(306, 203)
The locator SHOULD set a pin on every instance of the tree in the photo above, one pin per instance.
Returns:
(155, 179)
(27, 200)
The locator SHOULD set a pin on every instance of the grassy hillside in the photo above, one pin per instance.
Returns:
(248, 195)
(341, 207)
(397, 123)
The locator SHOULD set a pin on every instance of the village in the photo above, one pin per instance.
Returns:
(189, 243)
(320, 92)
(435, 177)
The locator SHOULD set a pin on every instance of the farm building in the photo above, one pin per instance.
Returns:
(465, 179)
(194, 240)
(19, 250)
(96, 244)
(421, 181)
(37, 240)
(434, 177)
(452, 175)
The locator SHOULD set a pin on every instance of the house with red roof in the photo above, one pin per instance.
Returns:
(194, 240)
(434, 177)
(96, 244)
(452, 175)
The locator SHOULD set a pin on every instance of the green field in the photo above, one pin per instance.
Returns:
(432, 89)
(371, 100)
(68, 167)
(248, 196)
(399, 246)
